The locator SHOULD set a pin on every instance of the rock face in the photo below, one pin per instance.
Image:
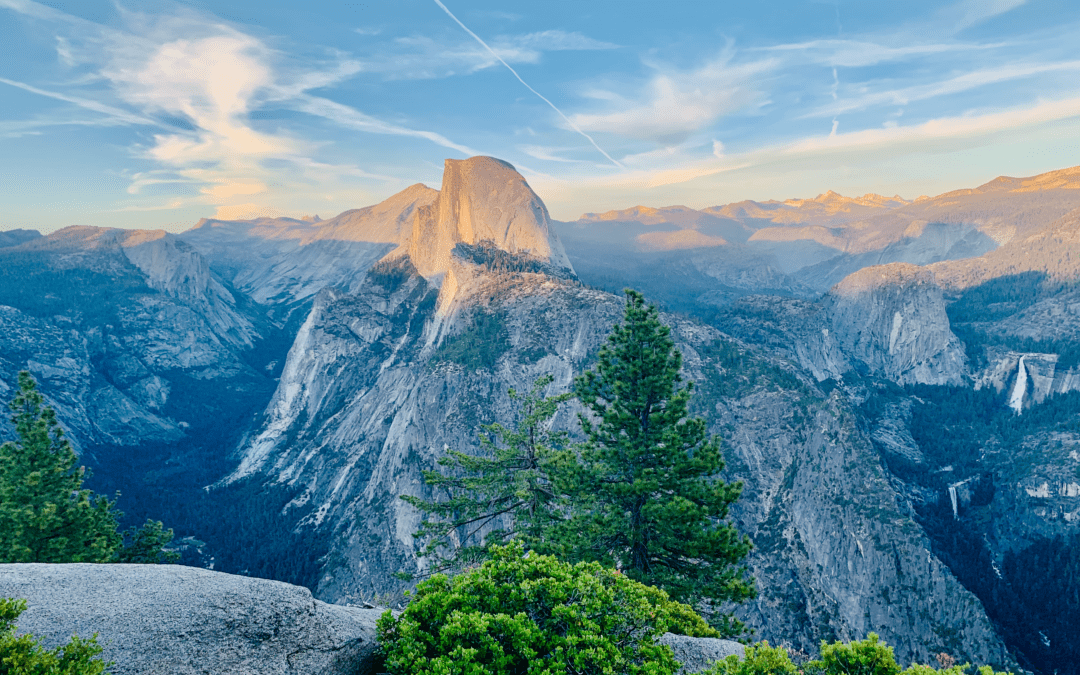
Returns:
(698, 655)
(287, 261)
(483, 200)
(173, 620)
(892, 319)
(114, 325)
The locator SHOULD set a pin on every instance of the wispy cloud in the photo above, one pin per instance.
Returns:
(967, 13)
(113, 114)
(549, 154)
(210, 78)
(354, 119)
(682, 167)
(859, 53)
(954, 85)
(679, 102)
(422, 57)
(566, 119)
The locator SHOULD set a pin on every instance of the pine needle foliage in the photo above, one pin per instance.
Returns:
(45, 513)
(646, 496)
(504, 492)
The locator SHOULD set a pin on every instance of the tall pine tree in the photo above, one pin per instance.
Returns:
(45, 514)
(645, 494)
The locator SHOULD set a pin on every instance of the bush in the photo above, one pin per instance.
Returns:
(24, 655)
(527, 613)
(861, 657)
(759, 659)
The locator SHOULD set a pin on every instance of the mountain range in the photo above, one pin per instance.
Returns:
(896, 382)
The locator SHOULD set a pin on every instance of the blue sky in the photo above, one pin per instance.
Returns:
(154, 114)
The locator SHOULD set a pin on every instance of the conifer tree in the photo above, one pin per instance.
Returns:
(504, 492)
(645, 495)
(45, 513)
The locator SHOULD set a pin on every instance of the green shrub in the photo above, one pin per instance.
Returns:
(528, 613)
(759, 659)
(24, 655)
(861, 657)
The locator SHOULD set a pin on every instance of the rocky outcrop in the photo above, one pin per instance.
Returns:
(484, 205)
(837, 551)
(173, 620)
(698, 655)
(129, 335)
(892, 320)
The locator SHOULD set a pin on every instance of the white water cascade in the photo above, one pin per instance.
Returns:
(1016, 399)
(952, 499)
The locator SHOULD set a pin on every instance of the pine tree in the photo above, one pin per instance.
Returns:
(645, 496)
(146, 545)
(505, 492)
(45, 514)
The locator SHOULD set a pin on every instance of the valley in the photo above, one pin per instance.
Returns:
(896, 383)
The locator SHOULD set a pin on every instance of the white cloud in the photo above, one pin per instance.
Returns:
(911, 138)
(678, 103)
(967, 13)
(208, 78)
(114, 115)
(857, 53)
(954, 85)
(553, 40)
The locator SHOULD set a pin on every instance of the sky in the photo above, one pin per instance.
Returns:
(155, 114)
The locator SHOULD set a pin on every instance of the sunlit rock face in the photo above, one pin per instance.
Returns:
(483, 201)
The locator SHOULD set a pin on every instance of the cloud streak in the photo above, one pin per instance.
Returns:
(541, 96)
(955, 85)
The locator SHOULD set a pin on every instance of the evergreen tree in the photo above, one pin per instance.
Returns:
(503, 493)
(146, 545)
(45, 514)
(645, 495)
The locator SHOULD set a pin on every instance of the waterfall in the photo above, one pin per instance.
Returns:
(1016, 399)
(952, 499)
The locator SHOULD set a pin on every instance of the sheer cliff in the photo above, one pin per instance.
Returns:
(382, 379)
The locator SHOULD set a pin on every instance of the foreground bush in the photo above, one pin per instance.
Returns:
(862, 657)
(24, 655)
(527, 613)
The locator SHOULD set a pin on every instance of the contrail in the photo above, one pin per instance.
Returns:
(542, 97)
